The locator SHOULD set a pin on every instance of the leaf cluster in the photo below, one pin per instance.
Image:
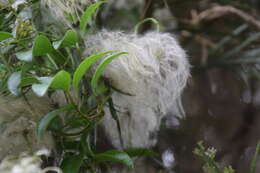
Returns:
(45, 63)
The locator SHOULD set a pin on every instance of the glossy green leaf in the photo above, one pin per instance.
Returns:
(70, 39)
(5, 35)
(42, 87)
(13, 82)
(101, 68)
(84, 66)
(61, 81)
(41, 46)
(87, 15)
(137, 152)
(46, 120)
(72, 164)
(25, 56)
(115, 156)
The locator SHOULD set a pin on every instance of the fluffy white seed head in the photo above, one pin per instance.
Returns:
(65, 10)
(25, 163)
(154, 71)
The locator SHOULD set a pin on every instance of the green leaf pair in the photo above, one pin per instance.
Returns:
(43, 46)
(85, 18)
(62, 79)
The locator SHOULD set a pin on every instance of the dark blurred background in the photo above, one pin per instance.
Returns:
(221, 101)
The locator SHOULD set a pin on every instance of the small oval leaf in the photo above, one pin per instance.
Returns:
(70, 39)
(13, 82)
(41, 88)
(46, 120)
(5, 35)
(114, 156)
(100, 70)
(61, 81)
(87, 15)
(41, 46)
(25, 56)
(84, 66)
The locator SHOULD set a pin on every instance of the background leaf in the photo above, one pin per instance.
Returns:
(41, 88)
(5, 35)
(2, 67)
(255, 158)
(13, 82)
(25, 55)
(115, 156)
(72, 164)
(46, 120)
(26, 81)
(137, 152)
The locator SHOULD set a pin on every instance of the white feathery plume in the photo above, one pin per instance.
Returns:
(62, 9)
(26, 163)
(154, 71)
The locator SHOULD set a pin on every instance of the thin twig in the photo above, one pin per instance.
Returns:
(220, 11)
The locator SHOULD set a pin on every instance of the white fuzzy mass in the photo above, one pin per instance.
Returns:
(154, 71)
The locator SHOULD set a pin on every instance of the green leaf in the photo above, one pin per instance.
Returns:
(101, 68)
(57, 57)
(46, 120)
(153, 20)
(41, 88)
(13, 82)
(241, 46)
(3, 67)
(87, 15)
(255, 158)
(25, 56)
(115, 117)
(61, 81)
(115, 156)
(28, 81)
(84, 66)
(5, 35)
(41, 46)
(70, 39)
(72, 164)
(137, 152)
